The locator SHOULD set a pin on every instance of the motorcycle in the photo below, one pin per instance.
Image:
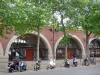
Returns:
(51, 64)
(85, 62)
(22, 66)
(37, 66)
(67, 64)
(10, 67)
(75, 64)
(50, 67)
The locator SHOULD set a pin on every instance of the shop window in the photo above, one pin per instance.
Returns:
(60, 53)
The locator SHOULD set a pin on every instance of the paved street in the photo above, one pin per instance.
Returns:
(85, 70)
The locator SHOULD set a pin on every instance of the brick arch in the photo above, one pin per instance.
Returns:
(46, 42)
(75, 38)
(1, 49)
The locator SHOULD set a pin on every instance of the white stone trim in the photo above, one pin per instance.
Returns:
(41, 35)
(9, 44)
(90, 40)
(47, 45)
(76, 38)
(1, 49)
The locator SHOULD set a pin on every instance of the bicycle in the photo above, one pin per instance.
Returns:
(89, 60)
(92, 60)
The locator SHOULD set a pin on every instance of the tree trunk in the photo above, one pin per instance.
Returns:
(87, 45)
(63, 26)
(38, 42)
(64, 33)
(66, 51)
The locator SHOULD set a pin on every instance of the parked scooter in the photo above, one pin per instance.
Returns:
(22, 66)
(37, 66)
(51, 64)
(67, 64)
(85, 62)
(75, 62)
(10, 67)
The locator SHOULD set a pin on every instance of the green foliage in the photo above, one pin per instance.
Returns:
(27, 15)
(83, 14)
(87, 16)
(66, 40)
(24, 15)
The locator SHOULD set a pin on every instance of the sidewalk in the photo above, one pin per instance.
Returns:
(60, 63)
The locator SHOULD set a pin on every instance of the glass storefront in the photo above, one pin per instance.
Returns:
(60, 53)
(73, 49)
(94, 48)
(24, 48)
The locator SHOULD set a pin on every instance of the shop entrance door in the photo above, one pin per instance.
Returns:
(29, 54)
(69, 55)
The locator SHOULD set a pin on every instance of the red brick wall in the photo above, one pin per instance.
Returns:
(49, 35)
(4, 41)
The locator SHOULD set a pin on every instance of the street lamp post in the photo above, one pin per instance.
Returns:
(53, 42)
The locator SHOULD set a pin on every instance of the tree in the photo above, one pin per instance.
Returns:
(25, 16)
(3, 17)
(62, 7)
(83, 15)
(87, 17)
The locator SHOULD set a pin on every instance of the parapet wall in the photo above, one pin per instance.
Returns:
(3, 63)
